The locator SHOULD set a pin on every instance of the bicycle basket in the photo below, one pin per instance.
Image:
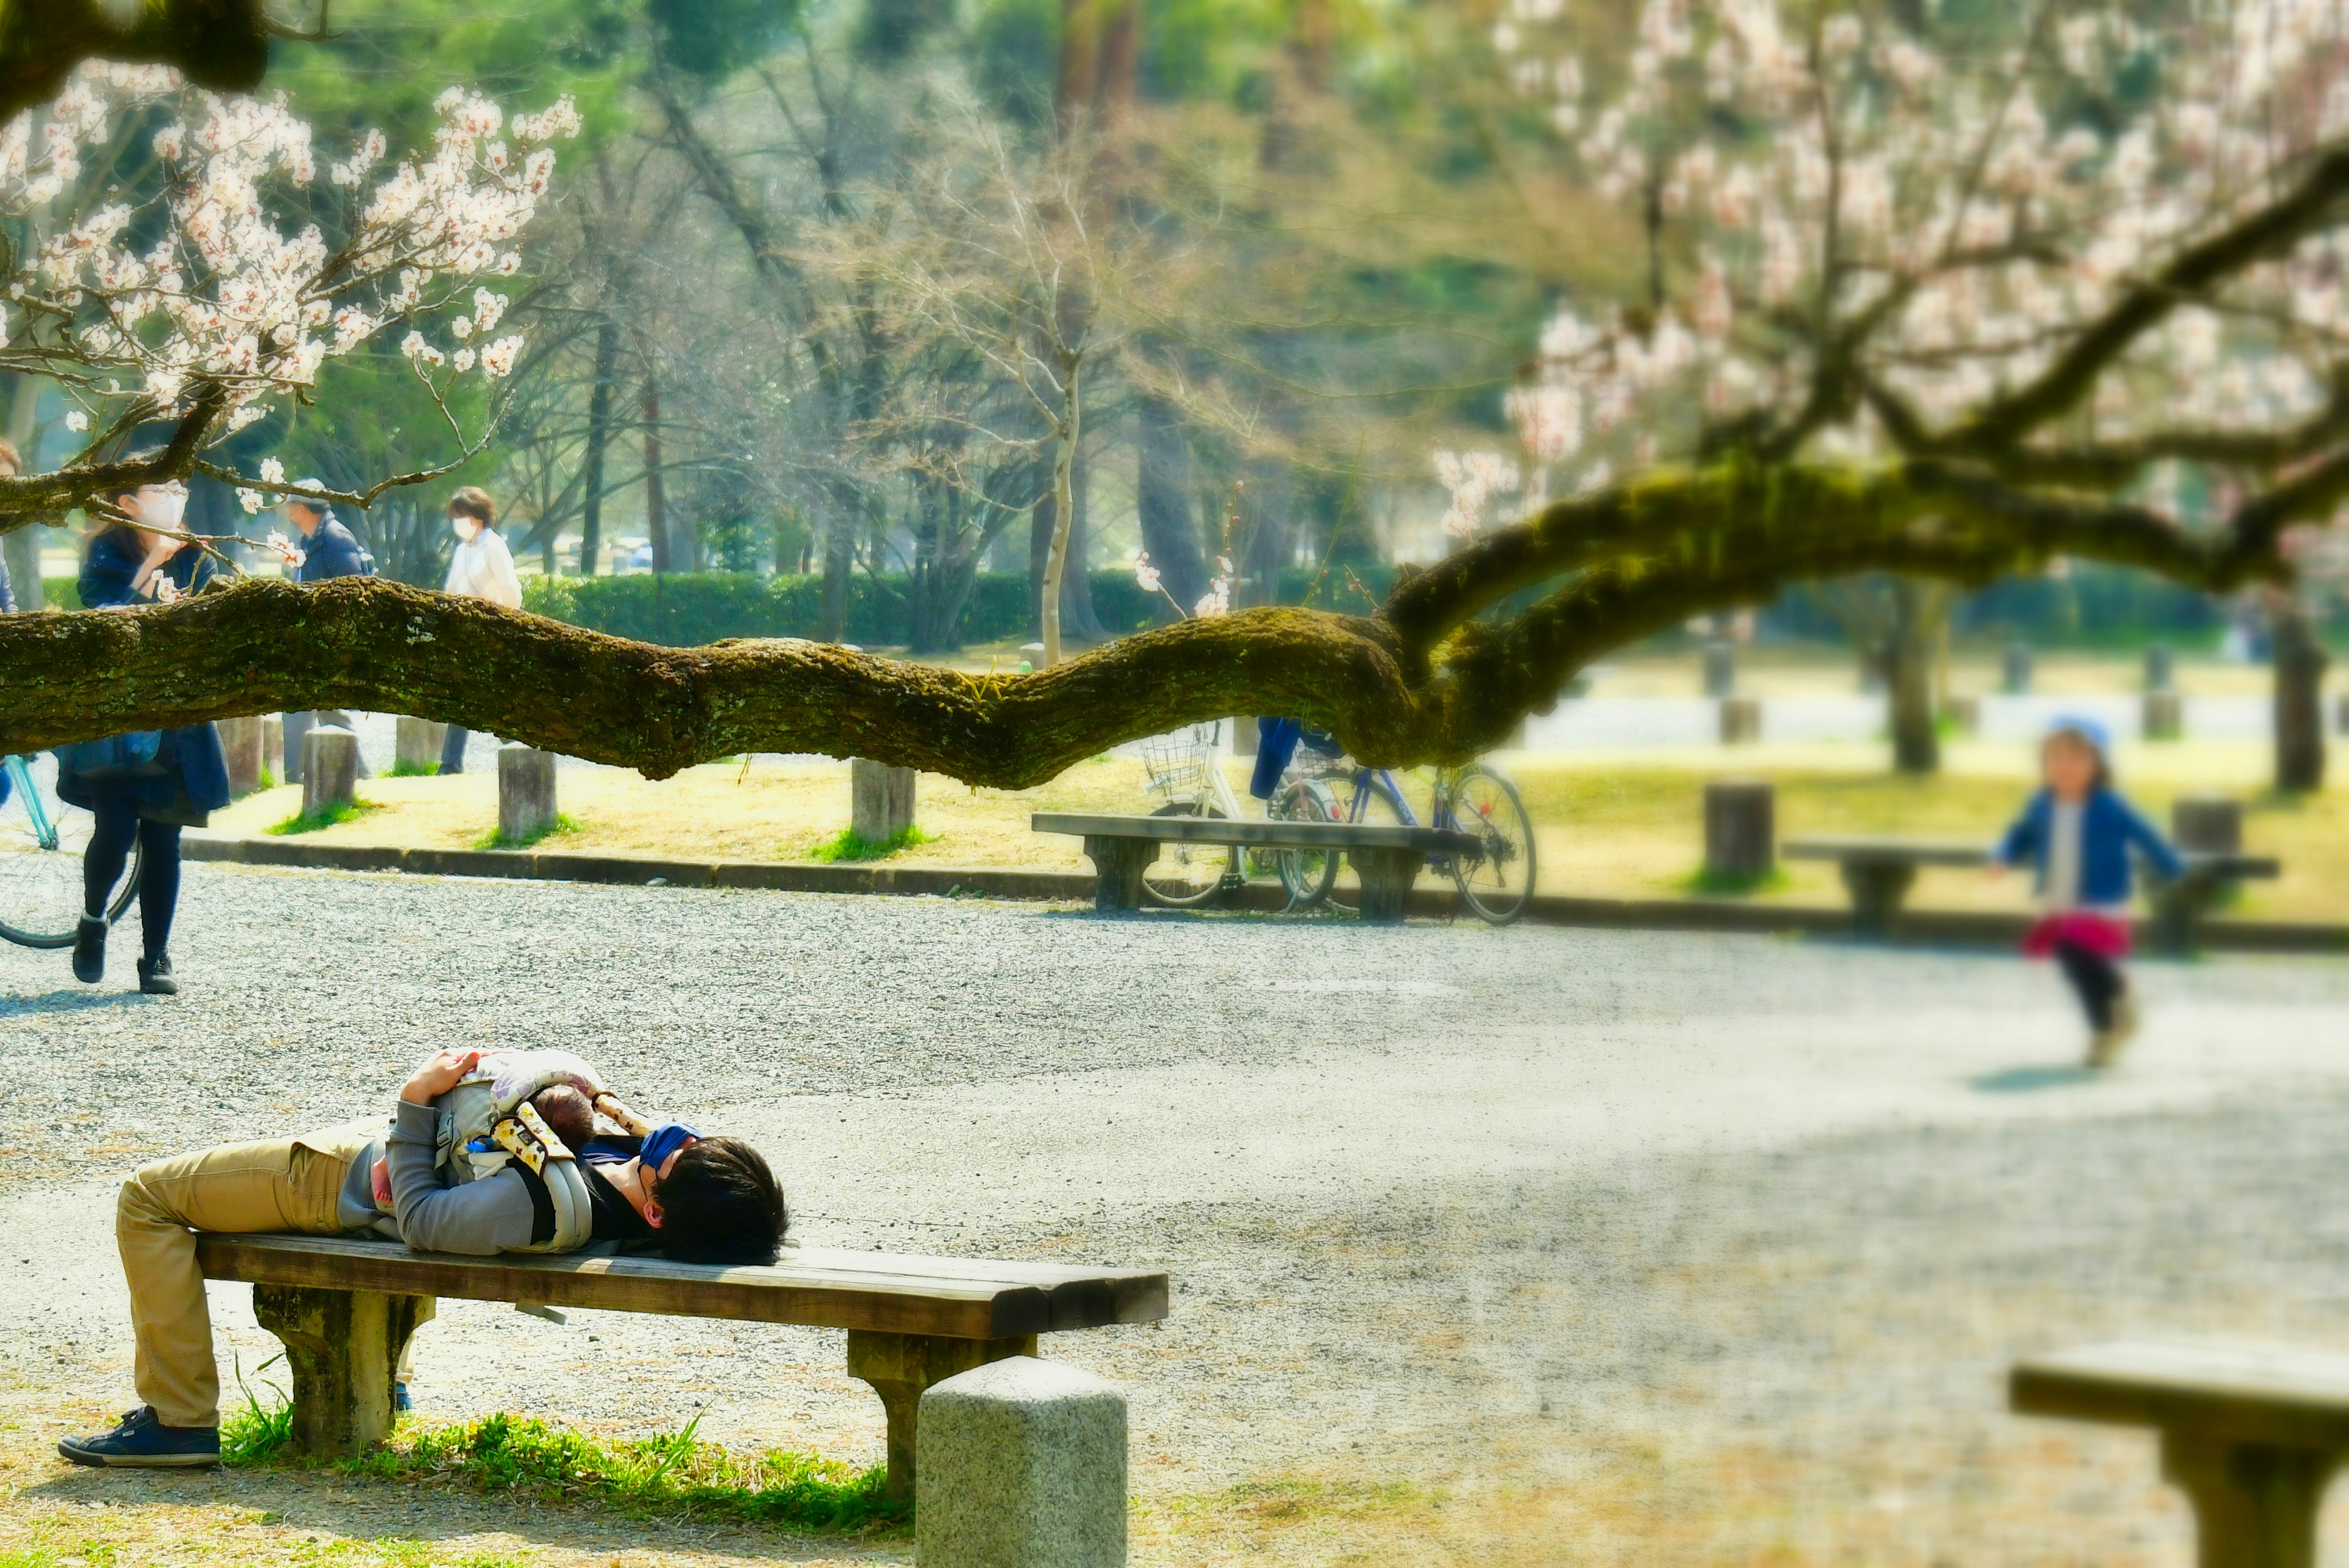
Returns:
(1175, 767)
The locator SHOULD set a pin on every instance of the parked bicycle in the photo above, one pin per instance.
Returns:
(1477, 799)
(1184, 771)
(41, 843)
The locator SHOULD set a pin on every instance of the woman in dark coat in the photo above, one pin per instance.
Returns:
(125, 567)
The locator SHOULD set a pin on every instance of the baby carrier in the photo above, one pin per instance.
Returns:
(486, 1123)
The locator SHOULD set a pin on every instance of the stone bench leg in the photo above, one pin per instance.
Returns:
(1386, 876)
(2178, 908)
(899, 1366)
(344, 1349)
(2254, 1504)
(1118, 866)
(1877, 891)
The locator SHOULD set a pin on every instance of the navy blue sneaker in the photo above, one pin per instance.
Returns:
(400, 1402)
(142, 1441)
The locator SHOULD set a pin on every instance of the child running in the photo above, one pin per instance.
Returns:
(2076, 834)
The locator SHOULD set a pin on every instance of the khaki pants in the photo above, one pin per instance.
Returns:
(281, 1184)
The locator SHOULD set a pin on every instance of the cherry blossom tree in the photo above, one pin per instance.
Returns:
(1915, 299)
(185, 304)
(2042, 265)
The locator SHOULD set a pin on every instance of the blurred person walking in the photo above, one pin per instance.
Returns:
(11, 465)
(2076, 832)
(146, 786)
(482, 569)
(323, 550)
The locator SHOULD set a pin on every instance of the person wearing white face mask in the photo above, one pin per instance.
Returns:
(158, 783)
(482, 569)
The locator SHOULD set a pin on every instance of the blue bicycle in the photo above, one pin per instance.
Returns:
(41, 843)
(1496, 882)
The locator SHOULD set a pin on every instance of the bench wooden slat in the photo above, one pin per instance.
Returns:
(826, 1288)
(1258, 834)
(1890, 851)
(2282, 1395)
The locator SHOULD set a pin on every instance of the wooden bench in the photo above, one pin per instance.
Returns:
(2251, 1433)
(1388, 859)
(346, 1309)
(1877, 872)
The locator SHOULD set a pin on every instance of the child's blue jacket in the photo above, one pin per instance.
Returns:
(2108, 826)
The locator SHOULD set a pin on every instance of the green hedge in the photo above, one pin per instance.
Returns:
(679, 609)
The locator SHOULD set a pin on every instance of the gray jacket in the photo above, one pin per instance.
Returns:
(496, 1214)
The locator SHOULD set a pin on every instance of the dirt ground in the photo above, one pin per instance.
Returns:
(1489, 1247)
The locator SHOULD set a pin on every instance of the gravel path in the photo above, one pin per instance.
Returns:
(1684, 1248)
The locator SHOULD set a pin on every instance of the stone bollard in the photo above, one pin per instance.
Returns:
(273, 745)
(2340, 713)
(881, 800)
(2211, 824)
(1720, 669)
(525, 793)
(417, 744)
(2165, 716)
(240, 744)
(1741, 719)
(1243, 737)
(2161, 667)
(1741, 832)
(1965, 712)
(330, 769)
(2016, 673)
(1022, 1466)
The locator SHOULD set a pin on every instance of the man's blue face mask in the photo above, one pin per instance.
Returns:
(664, 1141)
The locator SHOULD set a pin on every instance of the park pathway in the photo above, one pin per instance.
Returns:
(1620, 1246)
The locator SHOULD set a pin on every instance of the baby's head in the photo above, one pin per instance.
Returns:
(568, 1113)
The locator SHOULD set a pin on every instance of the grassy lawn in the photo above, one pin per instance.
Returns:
(1607, 825)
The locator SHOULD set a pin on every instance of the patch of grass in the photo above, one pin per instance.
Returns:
(268, 780)
(673, 1473)
(412, 770)
(253, 1433)
(1704, 882)
(330, 816)
(848, 845)
(563, 826)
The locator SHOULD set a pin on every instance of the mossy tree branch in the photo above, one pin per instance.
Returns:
(1421, 680)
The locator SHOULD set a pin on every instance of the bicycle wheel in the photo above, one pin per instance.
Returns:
(1307, 874)
(1185, 875)
(42, 840)
(1498, 882)
(1378, 806)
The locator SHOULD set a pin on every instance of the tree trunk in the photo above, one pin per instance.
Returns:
(1043, 521)
(839, 559)
(1919, 610)
(1163, 496)
(2300, 662)
(1265, 542)
(599, 438)
(1078, 617)
(1064, 511)
(655, 505)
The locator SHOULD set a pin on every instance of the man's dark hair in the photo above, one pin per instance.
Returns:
(721, 1204)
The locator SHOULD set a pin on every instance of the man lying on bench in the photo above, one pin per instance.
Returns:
(468, 1164)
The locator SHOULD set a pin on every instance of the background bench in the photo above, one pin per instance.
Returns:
(1387, 859)
(1877, 872)
(346, 1309)
(2251, 1433)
